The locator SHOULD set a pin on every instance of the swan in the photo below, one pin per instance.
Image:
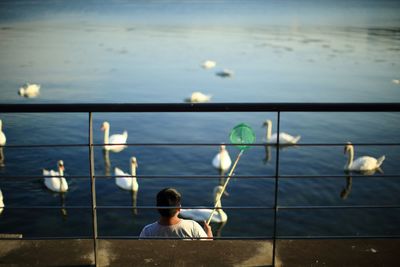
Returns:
(54, 180)
(284, 138)
(129, 182)
(113, 139)
(222, 160)
(361, 164)
(29, 90)
(2, 135)
(209, 64)
(198, 97)
(1, 202)
(224, 73)
(203, 214)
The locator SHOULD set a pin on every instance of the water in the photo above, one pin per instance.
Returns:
(145, 52)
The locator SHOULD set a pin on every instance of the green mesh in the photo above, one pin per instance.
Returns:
(241, 135)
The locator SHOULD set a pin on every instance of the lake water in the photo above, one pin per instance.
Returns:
(146, 52)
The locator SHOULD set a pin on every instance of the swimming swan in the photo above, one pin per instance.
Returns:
(113, 139)
(56, 184)
(203, 214)
(29, 90)
(361, 164)
(209, 64)
(284, 138)
(130, 181)
(198, 97)
(2, 135)
(222, 160)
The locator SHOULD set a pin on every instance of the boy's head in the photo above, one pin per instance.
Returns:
(168, 197)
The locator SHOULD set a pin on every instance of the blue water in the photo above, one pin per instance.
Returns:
(142, 52)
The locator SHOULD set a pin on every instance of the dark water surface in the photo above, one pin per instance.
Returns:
(144, 52)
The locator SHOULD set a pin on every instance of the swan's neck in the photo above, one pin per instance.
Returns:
(351, 157)
(133, 173)
(106, 134)
(60, 172)
(222, 158)
(269, 131)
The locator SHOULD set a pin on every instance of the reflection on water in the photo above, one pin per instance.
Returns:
(107, 162)
(134, 202)
(63, 208)
(2, 157)
(347, 189)
(267, 157)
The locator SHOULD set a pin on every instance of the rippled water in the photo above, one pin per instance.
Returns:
(144, 52)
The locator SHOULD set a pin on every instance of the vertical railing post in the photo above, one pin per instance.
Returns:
(276, 187)
(93, 187)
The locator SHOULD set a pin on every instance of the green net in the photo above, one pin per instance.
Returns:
(241, 135)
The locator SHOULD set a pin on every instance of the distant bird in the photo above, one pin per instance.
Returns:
(396, 81)
(2, 135)
(284, 138)
(129, 182)
(225, 73)
(222, 160)
(361, 164)
(54, 180)
(198, 97)
(119, 139)
(202, 214)
(29, 90)
(1, 202)
(209, 64)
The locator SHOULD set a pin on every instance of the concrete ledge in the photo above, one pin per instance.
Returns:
(199, 253)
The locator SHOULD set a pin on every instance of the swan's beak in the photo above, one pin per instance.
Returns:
(102, 128)
(345, 150)
(62, 167)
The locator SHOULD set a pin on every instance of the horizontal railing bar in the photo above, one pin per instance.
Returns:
(340, 207)
(197, 144)
(180, 238)
(291, 176)
(201, 107)
(338, 237)
(211, 207)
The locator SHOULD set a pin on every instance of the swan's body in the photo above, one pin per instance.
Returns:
(2, 135)
(284, 138)
(29, 90)
(113, 139)
(203, 214)
(361, 164)
(1, 202)
(54, 183)
(198, 97)
(129, 182)
(209, 64)
(225, 73)
(222, 160)
(396, 81)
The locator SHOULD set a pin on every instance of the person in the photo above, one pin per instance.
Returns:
(169, 224)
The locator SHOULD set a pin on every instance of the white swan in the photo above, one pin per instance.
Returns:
(209, 64)
(130, 181)
(54, 183)
(284, 138)
(222, 160)
(2, 135)
(203, 214)
(198, 97)
(361, 164)
(29, 90)
(1, 202)
(113, 139)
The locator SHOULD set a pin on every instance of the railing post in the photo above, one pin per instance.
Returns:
(93, 187)
(276, 186)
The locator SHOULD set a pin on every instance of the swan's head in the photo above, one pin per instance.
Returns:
(21, 91)
(348, 147)
(61, 165)
(134, 162)
(267, 123)
(105, 126)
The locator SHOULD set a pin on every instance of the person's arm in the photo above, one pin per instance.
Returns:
(208, 230)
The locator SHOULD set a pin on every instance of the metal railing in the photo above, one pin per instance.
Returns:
(205, 107)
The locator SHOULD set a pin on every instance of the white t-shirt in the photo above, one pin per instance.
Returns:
(186, 229)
